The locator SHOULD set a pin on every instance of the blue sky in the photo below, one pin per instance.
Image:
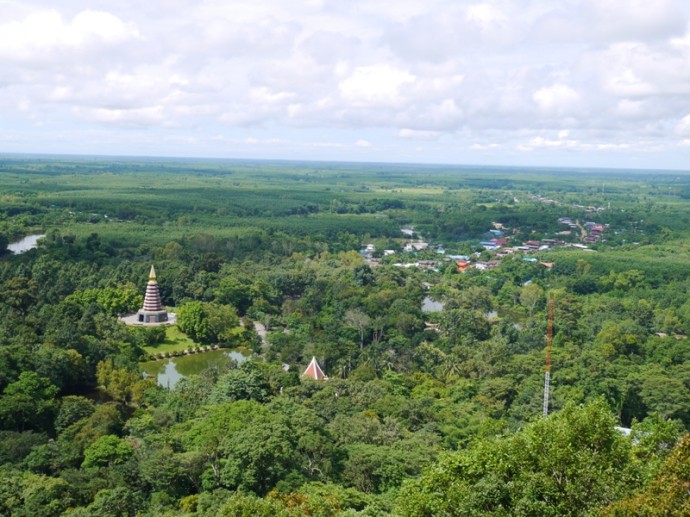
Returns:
(600, 83)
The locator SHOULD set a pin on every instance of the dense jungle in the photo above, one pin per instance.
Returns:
(423, 292)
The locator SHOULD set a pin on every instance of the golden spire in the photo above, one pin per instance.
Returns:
(152, 275)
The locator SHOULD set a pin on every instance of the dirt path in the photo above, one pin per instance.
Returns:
(261, 330)
(583, 231)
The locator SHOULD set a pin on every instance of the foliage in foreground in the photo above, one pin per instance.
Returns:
(668, 494)
(567, 464)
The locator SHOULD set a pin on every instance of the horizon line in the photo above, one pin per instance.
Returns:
(534, 168)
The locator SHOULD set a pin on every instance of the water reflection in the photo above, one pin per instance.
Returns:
(168, 372)
(27, 243)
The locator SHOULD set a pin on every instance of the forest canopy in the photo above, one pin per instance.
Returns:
(423, 293)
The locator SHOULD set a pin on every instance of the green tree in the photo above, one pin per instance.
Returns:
(10, 491)
(653, 440)
(72, 409)
(19, 293)
(614, 340)
(15, 446)
(244, 383)
(374, 469)
(566, 464)
(259, 455)
(223, 324)
(106, 451)
(29, 403)
(248, 505)
(64, 368)
(235, 292)
(530, 296)
(209, 431)
(120, 300)
(360, 321)
(191, 318)
(115, 502)
(208, 323)
(664, 395)
(122, 385)
(44, 496)
(667, 494)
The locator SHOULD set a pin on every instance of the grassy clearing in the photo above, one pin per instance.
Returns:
(175, 341)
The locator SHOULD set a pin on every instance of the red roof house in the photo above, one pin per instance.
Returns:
(462, 265)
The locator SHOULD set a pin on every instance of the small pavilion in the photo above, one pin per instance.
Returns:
(314, 371)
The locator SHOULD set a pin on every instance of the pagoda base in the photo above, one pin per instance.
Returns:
(133, 319)
(152, 316)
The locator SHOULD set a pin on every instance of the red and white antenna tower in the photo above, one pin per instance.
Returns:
(547, 372)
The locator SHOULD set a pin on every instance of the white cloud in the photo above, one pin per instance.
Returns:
(127, 117)
(562, 142)
(486, 16)
(485, 147)
(414, 134)
(634, 19)
(102, 25)
(629, 108)
(376, 85)
(683, 126)
(583, 76)
(45, 32)
(558, 99)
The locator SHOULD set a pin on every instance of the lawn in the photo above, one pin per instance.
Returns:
(175, 341)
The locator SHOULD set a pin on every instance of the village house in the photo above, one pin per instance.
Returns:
(416, 246)
(463, 265)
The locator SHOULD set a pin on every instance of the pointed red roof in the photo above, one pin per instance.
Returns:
(314, 371)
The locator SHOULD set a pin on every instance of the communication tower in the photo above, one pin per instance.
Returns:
(547, 372)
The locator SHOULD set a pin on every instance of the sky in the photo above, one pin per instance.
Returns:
(586, 83)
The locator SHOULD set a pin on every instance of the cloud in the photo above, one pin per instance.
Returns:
(414, 134)
(376, 85)
(44, 33)
(585, 76)
(486, 16)
(129, 117)
(635, 19)
(563, 142)
(558, 99)
(485, 147)
(683, 126)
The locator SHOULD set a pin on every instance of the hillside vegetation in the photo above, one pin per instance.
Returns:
(424, 413)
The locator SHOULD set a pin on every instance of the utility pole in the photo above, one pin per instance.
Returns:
(547, 372)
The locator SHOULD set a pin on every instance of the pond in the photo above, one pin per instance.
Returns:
(169, 371)
(431, 305)
(27, 243)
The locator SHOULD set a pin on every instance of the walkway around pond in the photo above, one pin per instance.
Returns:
(187, 351)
